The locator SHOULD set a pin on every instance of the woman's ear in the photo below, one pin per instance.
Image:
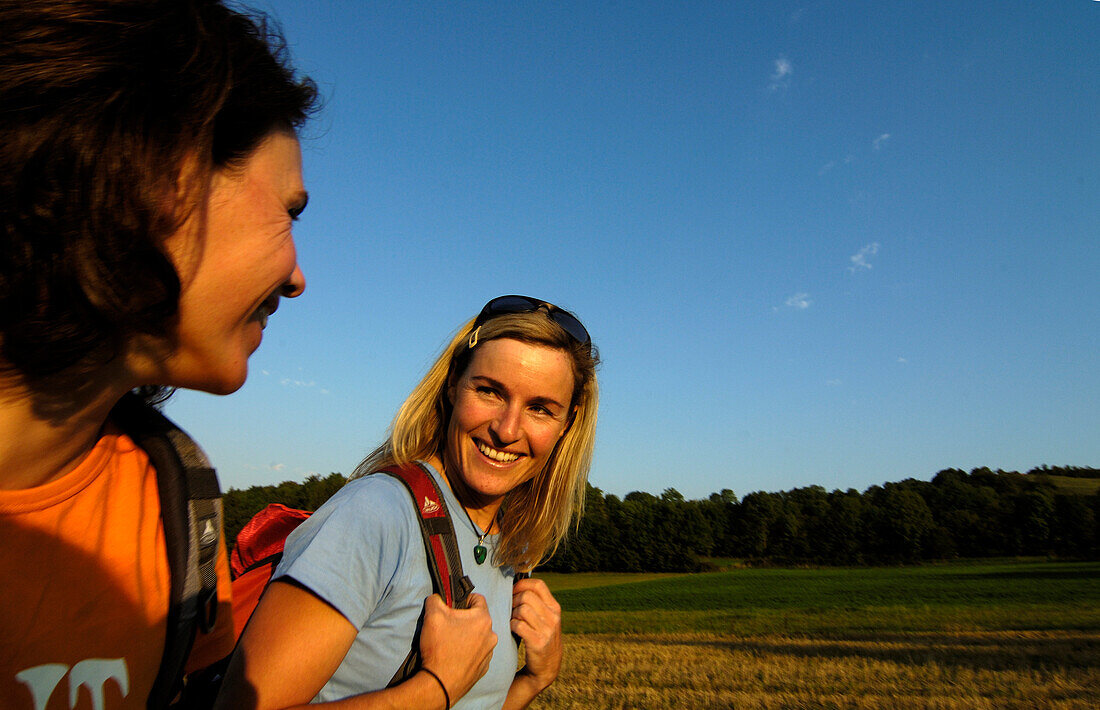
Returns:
(569, 422)
(451, 388)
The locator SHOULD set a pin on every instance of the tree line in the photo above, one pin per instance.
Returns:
(982, 513)
(239, 506)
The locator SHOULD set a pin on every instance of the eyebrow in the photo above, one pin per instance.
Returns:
(500, 385)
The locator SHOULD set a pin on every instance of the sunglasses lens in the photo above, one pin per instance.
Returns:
(572, 326)
(510, 304)
(522, 304)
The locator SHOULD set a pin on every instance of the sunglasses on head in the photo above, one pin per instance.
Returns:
(502, 305)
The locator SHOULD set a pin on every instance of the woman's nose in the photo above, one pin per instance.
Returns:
(507, 424)
(295, 284)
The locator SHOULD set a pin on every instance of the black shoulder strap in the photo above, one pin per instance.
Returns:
(191, 511)
(441, 546)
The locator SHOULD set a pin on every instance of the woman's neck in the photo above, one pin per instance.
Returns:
(43, 437)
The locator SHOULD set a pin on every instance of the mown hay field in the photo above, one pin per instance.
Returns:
(987, 635)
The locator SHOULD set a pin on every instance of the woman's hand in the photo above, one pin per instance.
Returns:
(536, 618)
(457, 644)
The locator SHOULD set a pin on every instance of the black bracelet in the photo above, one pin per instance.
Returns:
(446, 695)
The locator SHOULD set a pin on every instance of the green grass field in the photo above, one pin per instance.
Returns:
(949, 597)
(1076, 486)
(1007, 634)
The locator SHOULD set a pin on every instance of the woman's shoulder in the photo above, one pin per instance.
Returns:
(373, 510)
(374, 485)
(385, 498)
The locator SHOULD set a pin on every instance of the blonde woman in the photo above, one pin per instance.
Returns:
(505, 421)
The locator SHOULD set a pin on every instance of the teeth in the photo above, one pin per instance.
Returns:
(499, 456)
(264, 312)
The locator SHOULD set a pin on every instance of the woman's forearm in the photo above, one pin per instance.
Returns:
(523, 690)
(421, 692)
(296, 641)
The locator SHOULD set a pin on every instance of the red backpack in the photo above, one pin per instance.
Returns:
(256, 555)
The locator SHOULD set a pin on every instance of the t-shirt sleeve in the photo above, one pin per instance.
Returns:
(218, 643)
(349, 552)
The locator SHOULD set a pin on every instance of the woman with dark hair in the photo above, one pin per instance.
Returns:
(150, 176)
(505, 422)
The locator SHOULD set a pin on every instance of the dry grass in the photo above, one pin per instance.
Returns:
(945, 670)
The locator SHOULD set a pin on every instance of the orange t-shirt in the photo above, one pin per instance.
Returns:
(84, 585)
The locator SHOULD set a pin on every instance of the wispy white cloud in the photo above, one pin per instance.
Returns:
(833, 164)
(880, 141)
(834, 382)
(860, 258)
(783, 69)
(780, 78)
(278, 466)
(296, 383)
(801, 301)
(903, 360)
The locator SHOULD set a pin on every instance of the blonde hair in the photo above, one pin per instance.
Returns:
(537, 514)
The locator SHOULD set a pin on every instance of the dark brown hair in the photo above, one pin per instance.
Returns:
(111, 112)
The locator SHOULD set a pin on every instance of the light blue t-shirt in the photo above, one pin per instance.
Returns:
(362, 552)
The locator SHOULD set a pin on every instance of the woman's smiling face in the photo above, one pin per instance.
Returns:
(510, 407)
(235, 259)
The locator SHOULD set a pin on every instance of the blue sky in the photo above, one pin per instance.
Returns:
(833, 243)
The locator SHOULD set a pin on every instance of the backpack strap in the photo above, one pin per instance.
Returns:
(440, 542)
(441, 546)
(191, 511)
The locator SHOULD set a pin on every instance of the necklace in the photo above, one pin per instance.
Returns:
(479, 549)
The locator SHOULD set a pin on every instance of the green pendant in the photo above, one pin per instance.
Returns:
(479, 554)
